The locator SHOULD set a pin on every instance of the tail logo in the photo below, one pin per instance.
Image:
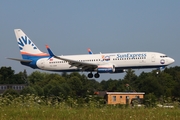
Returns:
(25, 41)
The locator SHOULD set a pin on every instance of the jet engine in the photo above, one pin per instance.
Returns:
(106, 68)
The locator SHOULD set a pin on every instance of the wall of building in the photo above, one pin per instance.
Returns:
(122, 98)
(16, 87)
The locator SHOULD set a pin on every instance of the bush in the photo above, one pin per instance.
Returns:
(28, 90)
(11, 92)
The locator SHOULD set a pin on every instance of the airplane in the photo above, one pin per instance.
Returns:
(98, 63)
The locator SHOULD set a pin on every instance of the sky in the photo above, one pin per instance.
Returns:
(71, 26)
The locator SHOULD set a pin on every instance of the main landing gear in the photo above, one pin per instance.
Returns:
(96, 75)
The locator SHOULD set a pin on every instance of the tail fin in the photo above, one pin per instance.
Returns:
(27, 48)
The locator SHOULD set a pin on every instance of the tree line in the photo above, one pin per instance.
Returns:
(162, 86)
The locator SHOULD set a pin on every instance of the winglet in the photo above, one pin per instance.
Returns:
(89, 51)
(49, 51)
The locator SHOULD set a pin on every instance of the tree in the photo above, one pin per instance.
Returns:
(6, 75)
(111, 85)
(28, 90)
(130, 75)
(25, 77)
(67, 89)
(36, 77)
(166, 80)
(130, 79)
(51, 78)
(56, 91)
(38, 90)
(46, 89)
(150, 100)
(17, 79)
(76, 86)
(92, 86)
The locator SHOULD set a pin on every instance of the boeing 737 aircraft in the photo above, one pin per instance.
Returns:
(98, 63)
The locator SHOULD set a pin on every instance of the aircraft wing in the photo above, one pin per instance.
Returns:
(78, 64)
(74, 63)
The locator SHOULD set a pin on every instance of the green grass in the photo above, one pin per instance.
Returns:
(85, 113)
(32, 107)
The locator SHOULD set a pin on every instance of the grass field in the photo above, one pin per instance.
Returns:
(36, 108)
(106, 113)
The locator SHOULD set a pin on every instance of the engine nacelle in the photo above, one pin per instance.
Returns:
(106, 68)
(120, 70)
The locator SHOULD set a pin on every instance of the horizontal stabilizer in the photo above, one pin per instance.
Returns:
(20, 60)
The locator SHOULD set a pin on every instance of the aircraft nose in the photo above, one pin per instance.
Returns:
(171, 60)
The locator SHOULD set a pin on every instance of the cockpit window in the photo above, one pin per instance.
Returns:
(163, 56)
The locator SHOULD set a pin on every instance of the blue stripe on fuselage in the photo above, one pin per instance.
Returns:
(34, 60)
(141, 67)
(117, 68)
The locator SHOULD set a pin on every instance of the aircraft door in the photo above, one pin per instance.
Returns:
(42, 64)
(153, 57)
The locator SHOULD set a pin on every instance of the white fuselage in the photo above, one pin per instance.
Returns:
(134, 60)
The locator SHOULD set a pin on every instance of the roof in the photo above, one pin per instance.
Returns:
(131, 93)
(12, 84)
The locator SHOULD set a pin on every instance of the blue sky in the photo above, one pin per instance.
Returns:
(72, 26)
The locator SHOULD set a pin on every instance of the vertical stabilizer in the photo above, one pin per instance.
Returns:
(26, 46)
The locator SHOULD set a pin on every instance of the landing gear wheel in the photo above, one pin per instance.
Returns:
(90, 75)
(96, 75)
